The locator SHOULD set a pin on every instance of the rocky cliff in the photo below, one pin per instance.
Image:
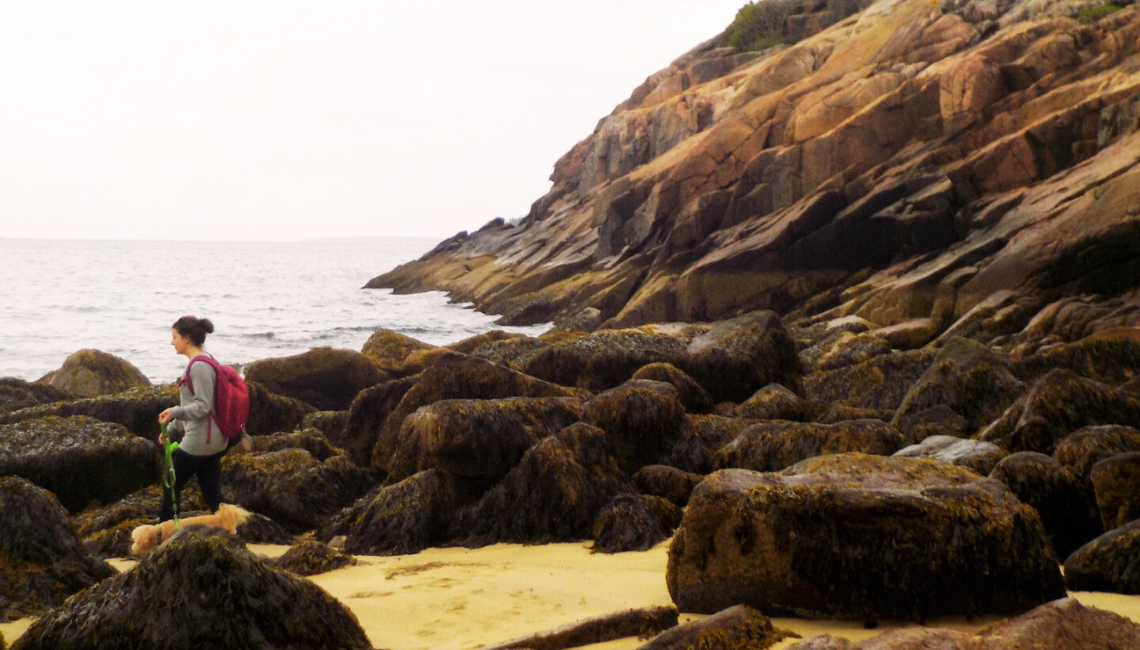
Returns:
(969, 163)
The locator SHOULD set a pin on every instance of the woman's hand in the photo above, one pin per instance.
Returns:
(166, 416)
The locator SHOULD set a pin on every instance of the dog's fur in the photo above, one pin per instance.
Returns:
(146, 537)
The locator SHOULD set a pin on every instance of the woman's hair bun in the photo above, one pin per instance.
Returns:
(207, 325)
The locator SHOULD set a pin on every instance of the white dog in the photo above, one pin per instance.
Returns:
(146, 537)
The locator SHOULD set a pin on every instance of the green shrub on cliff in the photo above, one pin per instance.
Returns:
(1089, 15)
(760, 25)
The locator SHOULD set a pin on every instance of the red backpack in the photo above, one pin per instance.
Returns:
(231, 399)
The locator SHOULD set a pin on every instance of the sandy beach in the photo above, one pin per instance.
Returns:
(460, 599)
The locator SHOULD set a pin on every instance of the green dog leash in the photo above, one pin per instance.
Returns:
(168, 475)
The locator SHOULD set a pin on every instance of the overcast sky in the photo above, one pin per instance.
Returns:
(289, 120)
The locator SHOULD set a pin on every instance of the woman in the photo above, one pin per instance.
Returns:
(200, 448)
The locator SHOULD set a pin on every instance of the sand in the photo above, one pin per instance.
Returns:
(464, 599)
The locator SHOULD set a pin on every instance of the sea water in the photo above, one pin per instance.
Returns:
(265, 299)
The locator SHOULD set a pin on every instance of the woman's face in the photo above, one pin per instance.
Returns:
(180, 343)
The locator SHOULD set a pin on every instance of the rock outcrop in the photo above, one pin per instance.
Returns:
(91, 373)
(326, 378)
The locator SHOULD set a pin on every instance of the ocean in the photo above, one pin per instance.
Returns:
(265, 299)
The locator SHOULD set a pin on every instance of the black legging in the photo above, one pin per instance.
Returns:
(208, 469)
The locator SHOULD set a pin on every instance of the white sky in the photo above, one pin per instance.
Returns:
(280, 120)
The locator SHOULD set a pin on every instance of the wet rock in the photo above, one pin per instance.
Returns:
(136, 409)
(91, 373)
(640, 417)
(740, 356)
(1116, 481)
(42, 561)
(774, 402)
(938, 420)
(291, 487)
(79, 459)
(389, 350)
(736, 628)
(1056, 405)
(270, 412)
(1108, 563)
(178, 593)
(16, 394)
(456, 376)
(603, 360)
(702, 436)
(552, 495)
(312, 558)
(1069, 516)
(666, 482)
(972, 454)
(879, 383)
(862, 537)
(769, 447)
(404, 518)
(1084, 448)
(478, 439)
(326, 378)
(367, 415)
(693, 397)
(329, 423)
(634, 522)
(970, 379)
(311, 440)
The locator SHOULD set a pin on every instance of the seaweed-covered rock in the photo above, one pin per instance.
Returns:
(79, 459)
(938, 420)
(863, 537)
(311, 558)
(774, 402)
(1108, 563)
(455, 376)
(1069, 516)
(602, 360)
(367, 415)
(389, 349)
(16, 394)
(311, 440)
(552, 495)
(1116, 481)
(692, 395)
(270, 412)
(42, 561)
(472, 343)
(641, 417)
(1063, 624)
(702, 436)
(91, 373)
(974, 454)
(1111, 357)
(634, 522)
(737, 628)
(259, 529)
(513, 353)
(478, 439)
(291, 487)
(200, 590)
(1087, 446)
(772, 446)
(135, 409)
(642, 623)
(967, 377)
(326, 378)
(1056, 405)
(849, 349)
(404, 518)
(330, 423)
(669, 483)
(879, 383)
(738, 357)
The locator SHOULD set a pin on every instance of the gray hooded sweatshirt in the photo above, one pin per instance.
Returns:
(192, 421)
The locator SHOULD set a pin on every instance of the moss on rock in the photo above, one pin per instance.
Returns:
(666, 482)
(772, 446)
(310, 558)
(634, 522)
(1108, 563)
(774, 402)
(1116, 482)
(16, 394)
(641, 417)
(694, 397)
(603, 360)
(1087, 446)
(91, 373)
(879, 383)
(737, 357)
(136, 409)
(389, 349)
(326, 378)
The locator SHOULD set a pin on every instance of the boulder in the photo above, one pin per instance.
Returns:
(1116, 481)
(1063, 624)
(367, 415)
(552, 495)
(967, 377)
(1087, 446)
(666, 482)
(849, 349)
(136, 409)
(311, 440)
(1111, 357)
(611, 627)
(455, 376)
(603, 360)
(291, 487)
(909, 335)
(1108, 563)
(178, 593)
(693, 397)
(634, 522)
(389, 350)
(311, 558)
(42, 562)
(270, 412)
(79, 459)
(1056, 405)
(738, 357)
(480, 440)
(878, 383)
(641, 418)
(774, 402)
(326, 378)
(91, 373)
(737, 628)
(1069, 516)
(940, 421)
(973, 454)
(702, 436)
(404, 518)
(16, 394)
(472, 343)
(329, 423)
(770, 447)
(861, 537)
(513, 353)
